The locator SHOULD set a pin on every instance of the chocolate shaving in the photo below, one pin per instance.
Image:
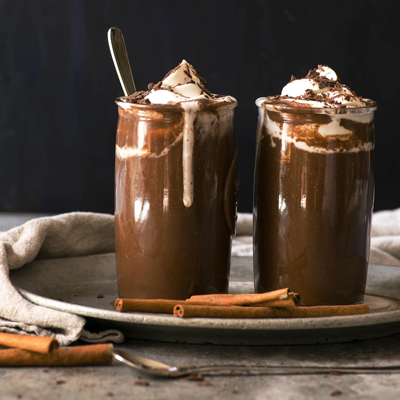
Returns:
(136, 94)
(157, 85)
(171, 72)
(187, 71)
(195, 73)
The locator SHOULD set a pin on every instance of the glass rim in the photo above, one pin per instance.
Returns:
(282, 107)
(173, 107)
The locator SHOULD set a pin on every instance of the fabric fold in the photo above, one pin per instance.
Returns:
(385, 238)
(66, 235)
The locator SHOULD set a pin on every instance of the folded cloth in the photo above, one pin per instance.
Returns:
(66, 235)
(385, 237)
(244, 225)
(242, 243)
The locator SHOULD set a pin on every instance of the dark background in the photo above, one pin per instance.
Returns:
(58, 83)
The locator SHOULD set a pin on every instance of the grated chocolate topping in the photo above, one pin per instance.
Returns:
(326, 88)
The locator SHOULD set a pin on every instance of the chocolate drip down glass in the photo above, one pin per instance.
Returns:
(175, 199)
(313, 198)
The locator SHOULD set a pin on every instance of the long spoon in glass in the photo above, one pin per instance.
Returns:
(119, 55)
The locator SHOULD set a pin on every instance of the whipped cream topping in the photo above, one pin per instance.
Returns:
(320, 88)
(181, 84)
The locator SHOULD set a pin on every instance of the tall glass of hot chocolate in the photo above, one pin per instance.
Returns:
(175, 189)
(313, 190)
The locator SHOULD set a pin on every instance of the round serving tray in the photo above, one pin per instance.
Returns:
(86, 286)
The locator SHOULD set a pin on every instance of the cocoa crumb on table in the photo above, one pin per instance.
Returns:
(141, 382)
(204, 383)
(195, 378)
(338, 373)
(86, 385)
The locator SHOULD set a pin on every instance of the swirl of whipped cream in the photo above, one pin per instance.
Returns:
(182, 83)
(321, 88)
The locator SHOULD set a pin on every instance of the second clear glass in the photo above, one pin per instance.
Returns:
(313, 198)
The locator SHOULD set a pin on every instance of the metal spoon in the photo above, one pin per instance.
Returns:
(119, 55)
(159, 369)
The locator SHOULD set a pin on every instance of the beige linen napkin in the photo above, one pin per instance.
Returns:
(67, 235)
(242, 243)
(385, 237)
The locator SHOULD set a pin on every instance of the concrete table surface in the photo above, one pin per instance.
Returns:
(120, 382)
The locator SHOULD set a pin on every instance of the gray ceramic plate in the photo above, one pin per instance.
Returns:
(73, 285)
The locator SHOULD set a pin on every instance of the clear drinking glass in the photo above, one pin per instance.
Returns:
(164, 248)
(313, 198)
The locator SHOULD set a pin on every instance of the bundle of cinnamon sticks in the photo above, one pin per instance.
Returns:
(26, 350)
(277, 304)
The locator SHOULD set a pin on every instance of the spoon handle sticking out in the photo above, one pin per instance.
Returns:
(119, 55)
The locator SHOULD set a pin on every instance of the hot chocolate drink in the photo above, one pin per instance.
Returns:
(314, 190)
(175, 194)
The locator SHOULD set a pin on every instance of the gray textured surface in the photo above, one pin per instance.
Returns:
(118, 381)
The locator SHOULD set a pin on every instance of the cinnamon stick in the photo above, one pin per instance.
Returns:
(160, 306)
(66, 356)
(190, 311)
(38, 344)
(276, 298)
